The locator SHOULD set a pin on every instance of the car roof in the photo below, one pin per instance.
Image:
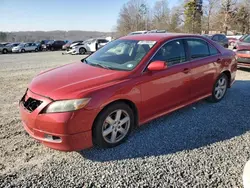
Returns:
(158, 36)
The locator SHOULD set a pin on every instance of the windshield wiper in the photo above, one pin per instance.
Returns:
(99, 65)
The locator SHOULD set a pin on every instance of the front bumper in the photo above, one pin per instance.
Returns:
(73, 51)
(243, 61)
(66, 131)
(16, 50)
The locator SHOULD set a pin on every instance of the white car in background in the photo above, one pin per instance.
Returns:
(88, 46)
(25, 47)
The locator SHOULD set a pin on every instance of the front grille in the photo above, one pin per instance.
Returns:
(31, 104)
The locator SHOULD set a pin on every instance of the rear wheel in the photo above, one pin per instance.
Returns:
(36, 50)
(220, 88)
(52, 48)
(5, 51)
(113, 125)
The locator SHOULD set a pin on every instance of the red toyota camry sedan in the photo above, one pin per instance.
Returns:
(125, 84)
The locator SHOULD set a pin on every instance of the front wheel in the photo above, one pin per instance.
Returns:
(220, 88)
(36, 50)
(23, 50)
(113, 125)
(82, 51)
(5, 51)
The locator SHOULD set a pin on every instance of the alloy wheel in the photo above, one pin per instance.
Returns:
(116, 126)
(220, 88)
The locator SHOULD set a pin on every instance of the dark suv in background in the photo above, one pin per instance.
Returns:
(53, 45)
(219, 38)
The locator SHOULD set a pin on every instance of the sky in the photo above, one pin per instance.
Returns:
(46, 15)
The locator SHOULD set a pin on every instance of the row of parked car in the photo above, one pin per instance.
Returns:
(18, 47)
(71, 47)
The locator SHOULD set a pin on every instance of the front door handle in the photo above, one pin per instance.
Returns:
(186, 70)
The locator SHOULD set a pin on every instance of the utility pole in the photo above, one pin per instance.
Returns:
(197, 16)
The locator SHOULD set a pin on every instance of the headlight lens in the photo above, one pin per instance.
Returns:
(67, 105)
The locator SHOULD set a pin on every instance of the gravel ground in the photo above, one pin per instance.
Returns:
(203, 145)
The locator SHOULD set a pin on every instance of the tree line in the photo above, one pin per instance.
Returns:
(189, 16)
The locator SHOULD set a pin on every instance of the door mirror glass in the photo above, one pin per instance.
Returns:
(157, 66)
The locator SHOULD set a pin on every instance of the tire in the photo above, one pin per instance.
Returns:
(82, 51)
(110, 134)
(36, 50)
(52, 48)
(23, 50)
(5, 51)
(221, 87)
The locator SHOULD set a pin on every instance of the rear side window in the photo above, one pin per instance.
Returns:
(198, 48)
(172, 52)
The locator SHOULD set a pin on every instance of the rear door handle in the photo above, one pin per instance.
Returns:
(186, 70)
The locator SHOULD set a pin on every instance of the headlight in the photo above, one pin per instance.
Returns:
(67, 105)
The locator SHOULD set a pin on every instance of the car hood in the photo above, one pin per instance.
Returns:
(73, 80)
(74, 44)
(243, 46)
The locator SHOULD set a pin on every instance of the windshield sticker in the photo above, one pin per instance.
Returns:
(130, 65)
(147, 42)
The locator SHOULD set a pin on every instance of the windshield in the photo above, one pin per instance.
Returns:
(246, 39)
(50, 42)
(120, 54)
(21, 44)
(207, 36)
(9, 45)
(244, 36)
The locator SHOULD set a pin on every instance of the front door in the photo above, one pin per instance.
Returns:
(167, 89)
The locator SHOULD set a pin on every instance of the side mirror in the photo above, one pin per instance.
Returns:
(157, 66)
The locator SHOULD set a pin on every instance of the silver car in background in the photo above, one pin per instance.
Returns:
(8, 48)
(25, 47)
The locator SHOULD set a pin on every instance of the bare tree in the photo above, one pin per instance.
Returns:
(208, 11)
(132, 17)
(228, 8)
(161, 14)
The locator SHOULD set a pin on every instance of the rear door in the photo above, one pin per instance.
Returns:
(203, 57)
(34, 46)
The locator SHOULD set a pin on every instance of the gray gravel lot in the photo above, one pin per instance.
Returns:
(203, 145)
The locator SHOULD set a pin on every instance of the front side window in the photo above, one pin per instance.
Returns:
(120, 54)
(198, 48)
(172, 53)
